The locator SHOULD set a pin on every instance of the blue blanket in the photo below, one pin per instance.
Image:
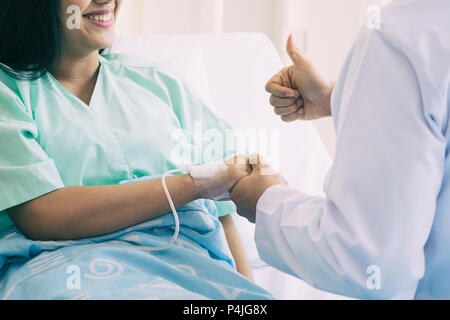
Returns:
(120, 266)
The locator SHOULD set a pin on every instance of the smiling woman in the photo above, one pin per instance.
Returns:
(43, 34)
(96, 29)
(101, 18)
(74, 124)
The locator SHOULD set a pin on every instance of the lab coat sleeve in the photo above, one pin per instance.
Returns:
(366, 238)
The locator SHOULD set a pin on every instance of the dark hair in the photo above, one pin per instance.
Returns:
(30, 37)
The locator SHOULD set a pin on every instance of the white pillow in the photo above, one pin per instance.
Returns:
(187, 64)
(190, 67)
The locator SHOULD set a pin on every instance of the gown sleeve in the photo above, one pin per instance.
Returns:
(26, 171)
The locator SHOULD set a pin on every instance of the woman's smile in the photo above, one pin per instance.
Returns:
(101, 18)
(95, 31)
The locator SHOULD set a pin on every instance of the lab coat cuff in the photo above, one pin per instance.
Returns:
(272, 198)
(272, 245)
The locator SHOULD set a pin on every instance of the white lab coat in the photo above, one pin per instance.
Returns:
(383, 229)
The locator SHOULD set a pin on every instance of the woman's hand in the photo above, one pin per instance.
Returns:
(214, 181)
(238, 167)
(299, 92)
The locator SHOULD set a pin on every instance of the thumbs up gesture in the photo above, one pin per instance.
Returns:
(299, 92)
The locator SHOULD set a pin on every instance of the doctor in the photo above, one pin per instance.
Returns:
(383, 229)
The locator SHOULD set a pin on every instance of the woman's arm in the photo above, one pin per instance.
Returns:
(87, 211)
(236, 246)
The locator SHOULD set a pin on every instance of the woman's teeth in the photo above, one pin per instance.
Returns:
(101, 17)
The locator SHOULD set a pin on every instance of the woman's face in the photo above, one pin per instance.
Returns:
(88, 25)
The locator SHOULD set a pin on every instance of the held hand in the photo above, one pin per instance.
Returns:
(238, 167)
(247, 192)
(215, 180)
(299, 92)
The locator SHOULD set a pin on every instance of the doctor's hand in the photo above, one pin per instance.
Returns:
(299, 92)
(247, 192)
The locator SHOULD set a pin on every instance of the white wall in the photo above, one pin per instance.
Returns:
(171, 16)
(331, 27)
(326, 27)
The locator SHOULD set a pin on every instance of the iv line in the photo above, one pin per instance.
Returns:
(174, 212)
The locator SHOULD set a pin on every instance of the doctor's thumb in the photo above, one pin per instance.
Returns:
(294, 53)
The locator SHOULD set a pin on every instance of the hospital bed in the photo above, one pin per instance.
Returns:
(229, 72)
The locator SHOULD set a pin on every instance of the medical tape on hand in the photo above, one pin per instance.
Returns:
(212, 181)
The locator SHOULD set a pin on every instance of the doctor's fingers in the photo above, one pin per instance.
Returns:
(299, 114)
(285, 111)
(289, 109)
(282, 102)
(280, 87)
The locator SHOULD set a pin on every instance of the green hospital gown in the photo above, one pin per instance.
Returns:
(141, 121)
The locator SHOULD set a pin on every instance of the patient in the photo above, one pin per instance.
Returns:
(73, 125)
